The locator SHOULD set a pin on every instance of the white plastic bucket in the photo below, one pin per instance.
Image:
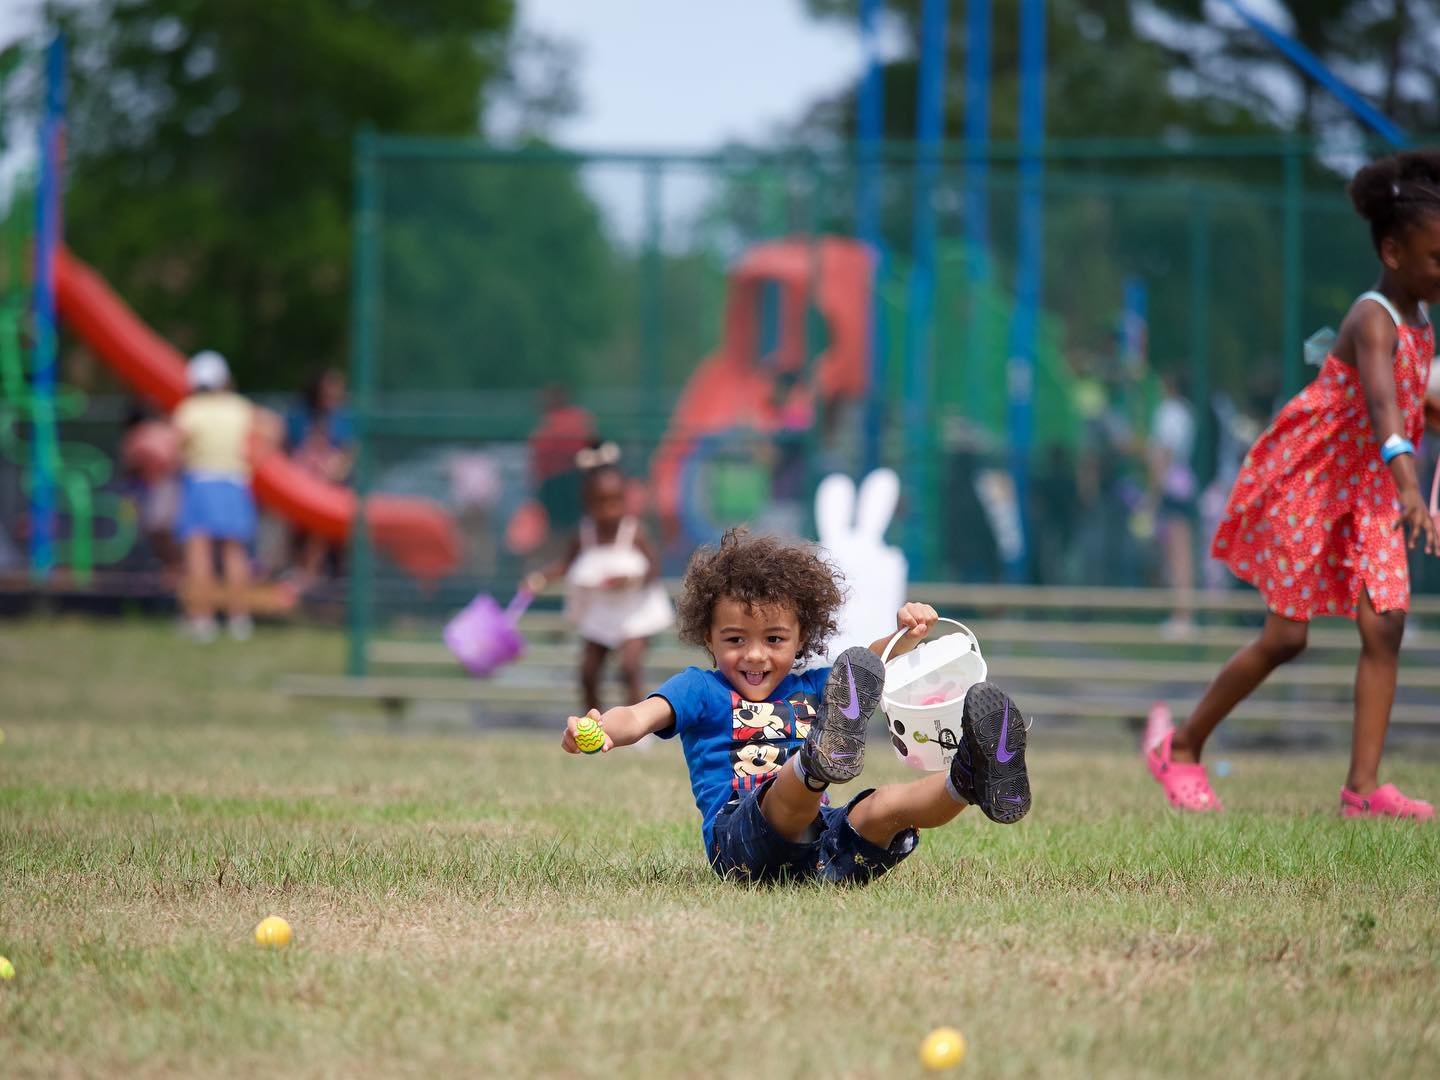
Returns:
(925, 688)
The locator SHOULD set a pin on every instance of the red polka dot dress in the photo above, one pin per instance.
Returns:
(1311, 518)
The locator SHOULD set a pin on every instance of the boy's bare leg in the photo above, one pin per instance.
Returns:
(789, 806)
(893, 808)
(834, 749)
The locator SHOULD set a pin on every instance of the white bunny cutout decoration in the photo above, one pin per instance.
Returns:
(853, 536)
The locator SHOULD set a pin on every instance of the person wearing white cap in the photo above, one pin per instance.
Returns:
(216, 504)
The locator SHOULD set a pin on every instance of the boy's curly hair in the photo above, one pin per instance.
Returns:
(761, 571)
(1394, 192)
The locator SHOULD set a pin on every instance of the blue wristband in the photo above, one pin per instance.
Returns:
(1394, 446)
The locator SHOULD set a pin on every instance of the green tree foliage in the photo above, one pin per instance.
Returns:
(1106, 219)
(1115, 68)
(1103, 75)
(211, 158)
(1383, 49)
(495, 274)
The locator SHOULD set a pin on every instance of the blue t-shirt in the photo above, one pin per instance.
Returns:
(732, 745)
(339, 428)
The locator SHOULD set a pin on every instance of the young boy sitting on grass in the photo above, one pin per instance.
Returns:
(763, 741)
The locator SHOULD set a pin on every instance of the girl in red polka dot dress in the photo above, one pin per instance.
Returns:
(1327, 499)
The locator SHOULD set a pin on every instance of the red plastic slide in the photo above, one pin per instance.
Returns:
(735, 387)
(418, 534)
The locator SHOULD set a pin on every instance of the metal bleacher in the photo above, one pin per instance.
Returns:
(1067, 654)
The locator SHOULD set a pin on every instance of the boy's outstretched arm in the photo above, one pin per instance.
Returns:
(624, 724)
(918, 617)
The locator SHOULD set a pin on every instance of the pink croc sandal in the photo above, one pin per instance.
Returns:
(1185, 784)
(1384, 801)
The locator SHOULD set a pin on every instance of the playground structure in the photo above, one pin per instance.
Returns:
(56, 473)
(811, 270)
(793, 307)
(102, 526)
(420, 537)
(795, 350)
(766, 376)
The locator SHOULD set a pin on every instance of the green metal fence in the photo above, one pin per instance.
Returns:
(484, 279)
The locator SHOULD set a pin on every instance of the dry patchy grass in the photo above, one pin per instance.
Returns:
(487, 905)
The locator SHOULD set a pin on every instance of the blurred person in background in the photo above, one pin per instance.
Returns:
(1052, 514)
(150, 456)
(1171, 498)
(319, 436)
(1236, 432)
(217, 509)
(563, 431)
(1106, 491)
(968, 538)
(613, 594)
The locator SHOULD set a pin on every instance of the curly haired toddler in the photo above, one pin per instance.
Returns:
(764, 741)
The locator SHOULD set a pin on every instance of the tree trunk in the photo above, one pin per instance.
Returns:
(1395, 59)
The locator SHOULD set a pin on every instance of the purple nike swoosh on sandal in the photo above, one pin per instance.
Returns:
(852, 711)
(1002, 752)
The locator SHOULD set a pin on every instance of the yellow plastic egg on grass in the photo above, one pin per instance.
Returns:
(272, 933)
(943, 1048)
(7, 969)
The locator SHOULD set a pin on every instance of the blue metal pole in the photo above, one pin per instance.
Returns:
(1024, 328)
(870, 132)
(919, 311)
(1315, 68)
(45, 451)
(977, 193)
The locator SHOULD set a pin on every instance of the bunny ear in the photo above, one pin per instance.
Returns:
(835, 508)
(879, 495)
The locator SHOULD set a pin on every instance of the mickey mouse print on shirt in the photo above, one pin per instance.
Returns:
(763, 734)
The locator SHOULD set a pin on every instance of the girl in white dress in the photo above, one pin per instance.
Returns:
(613, 595)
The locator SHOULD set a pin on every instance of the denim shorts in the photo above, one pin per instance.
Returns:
(219, 508)
(746, 847)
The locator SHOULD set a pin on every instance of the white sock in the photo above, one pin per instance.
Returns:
(954, 792)
(805, 777)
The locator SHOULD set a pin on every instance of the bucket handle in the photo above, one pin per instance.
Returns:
(959, 628)
(518, 603)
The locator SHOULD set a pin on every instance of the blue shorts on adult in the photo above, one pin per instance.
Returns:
(216, 507)
(746, 847)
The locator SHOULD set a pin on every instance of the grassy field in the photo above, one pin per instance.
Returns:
(486, 905)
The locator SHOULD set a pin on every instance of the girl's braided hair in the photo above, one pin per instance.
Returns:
(1394, 192)
(761, 572)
